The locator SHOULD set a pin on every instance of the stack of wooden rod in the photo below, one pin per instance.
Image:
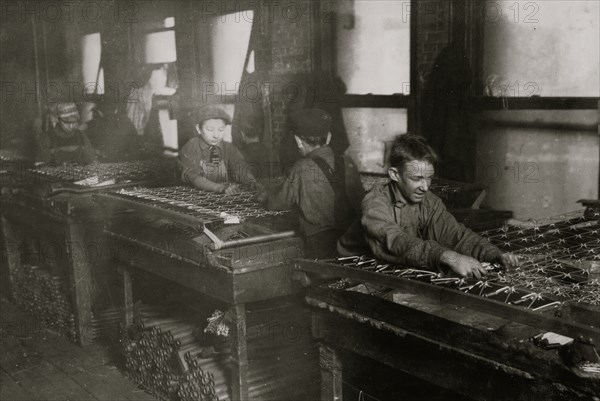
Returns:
(43, 295)
(152, 348)
(168, 354)
(106, 323)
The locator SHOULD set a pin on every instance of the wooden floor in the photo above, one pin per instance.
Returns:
(38, 365)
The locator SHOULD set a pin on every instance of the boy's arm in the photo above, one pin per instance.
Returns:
(393, 242)
(286, 195)
(190, 174)
(445, 229)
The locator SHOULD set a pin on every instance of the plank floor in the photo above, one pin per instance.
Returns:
(39, 365)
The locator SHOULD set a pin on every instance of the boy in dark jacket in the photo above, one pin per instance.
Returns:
(325, 188)
(64, 142)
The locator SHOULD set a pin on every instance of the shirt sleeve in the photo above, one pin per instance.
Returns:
(285, 196)
(190, 173)
(188, 157)
(444, 228)
(393, 241)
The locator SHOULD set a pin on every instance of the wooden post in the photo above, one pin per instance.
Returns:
(80, 279)
(239, 355)
(127, 296)
(11, 242)
(331, 373)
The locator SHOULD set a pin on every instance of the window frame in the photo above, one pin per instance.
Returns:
(325, 61)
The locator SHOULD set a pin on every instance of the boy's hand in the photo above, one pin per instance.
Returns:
(464, 266)
(509, 260)
(263, 196)
(231, 189)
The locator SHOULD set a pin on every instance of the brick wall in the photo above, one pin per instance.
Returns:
(433, 34)
(289, 41)
(290, 61)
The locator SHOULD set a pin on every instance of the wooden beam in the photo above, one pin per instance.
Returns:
(535, 103)
(448, 295)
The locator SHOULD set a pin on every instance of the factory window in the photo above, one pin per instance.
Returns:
(547, 49)
(160, 47)
(367, 47)
(372, 41)
(92, 71)
(160, 52)
(227, 56)
(230, 40)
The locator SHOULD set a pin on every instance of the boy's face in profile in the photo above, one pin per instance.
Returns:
(212, 131)
(413, 180)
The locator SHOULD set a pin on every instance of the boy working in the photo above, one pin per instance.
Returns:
(209, 163)
(405, 223)
(65, 142)
(325, 188)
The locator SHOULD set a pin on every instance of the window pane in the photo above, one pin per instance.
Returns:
(545, 48)
(368, 132)
(230, 36)
(373, 46)
(160, 47)
(92, 73)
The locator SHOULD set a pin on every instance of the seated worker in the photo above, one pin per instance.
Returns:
(325, 188)
(64, 142)
(209, 163)
(113, 134)
(405, 223)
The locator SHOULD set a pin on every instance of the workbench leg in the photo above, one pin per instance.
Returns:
(80, 279)
(239, 391)
(127, 297)
(11, 243)
(331, 373)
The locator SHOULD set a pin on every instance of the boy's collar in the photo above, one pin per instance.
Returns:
(319, 150)
(395, 195)
(205, 145)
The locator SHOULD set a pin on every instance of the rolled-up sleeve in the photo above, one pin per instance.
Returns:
(286, 195)
(188, 162)
(444, 228)
(392, 241)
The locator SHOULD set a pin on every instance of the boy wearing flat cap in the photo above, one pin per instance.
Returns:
(325, 188)
(209, 163)
(65, 142)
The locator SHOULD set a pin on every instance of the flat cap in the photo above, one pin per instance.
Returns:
(67, 112)
(212, 111)
(310, 122)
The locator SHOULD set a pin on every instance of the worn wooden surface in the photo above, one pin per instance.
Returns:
(478, 355)
(40, 365)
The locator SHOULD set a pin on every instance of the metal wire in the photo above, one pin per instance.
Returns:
(207, 206)
(119, 171)
(558, 256)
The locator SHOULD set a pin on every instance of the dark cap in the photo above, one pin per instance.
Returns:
(67, 112)
(212, 111)
(310, 122)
